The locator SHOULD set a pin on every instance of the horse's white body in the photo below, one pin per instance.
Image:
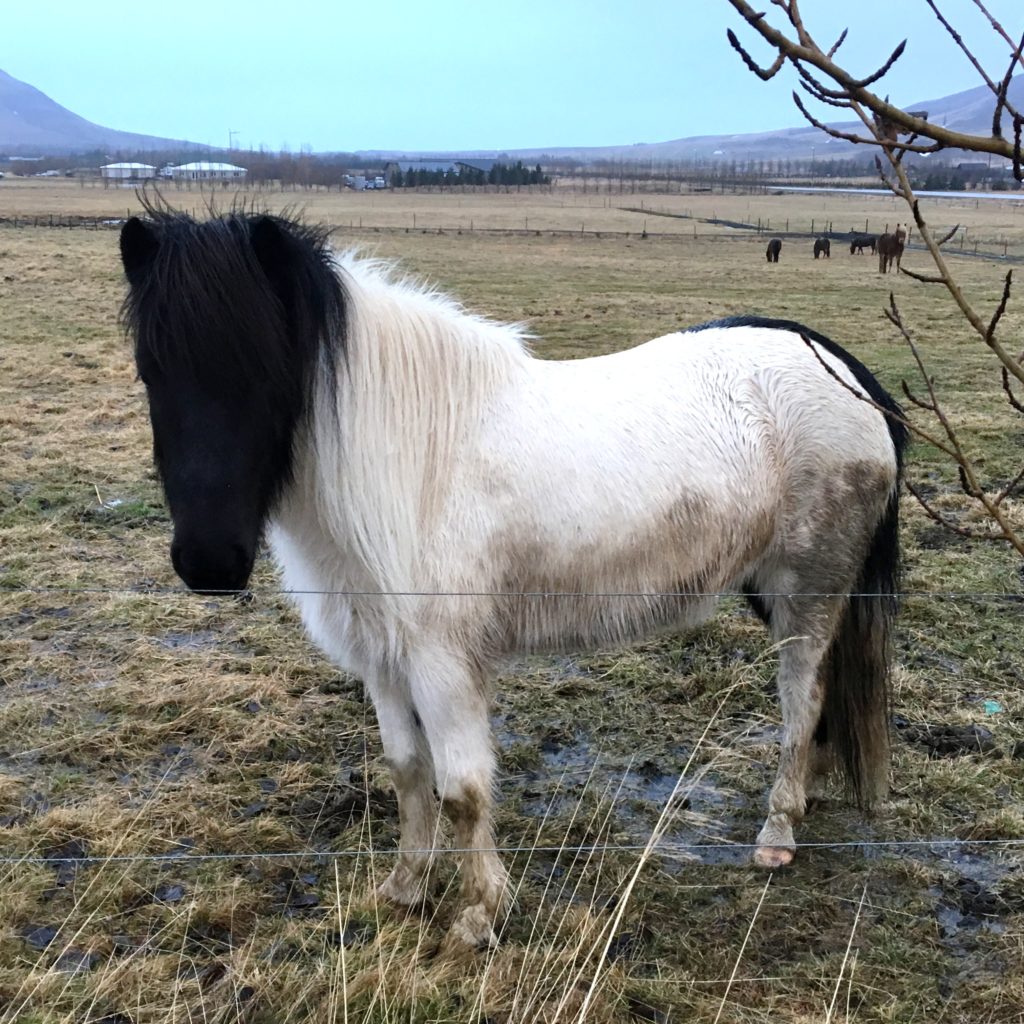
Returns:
(448, 460)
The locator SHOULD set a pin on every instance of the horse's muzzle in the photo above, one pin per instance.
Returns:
(209, 569)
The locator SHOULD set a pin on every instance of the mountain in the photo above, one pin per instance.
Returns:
(33, 124)
(968, 111)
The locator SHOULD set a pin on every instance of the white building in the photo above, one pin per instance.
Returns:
(204, 170)
(127, 172)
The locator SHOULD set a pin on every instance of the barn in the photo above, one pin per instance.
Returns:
(127, 172)
(204, 170)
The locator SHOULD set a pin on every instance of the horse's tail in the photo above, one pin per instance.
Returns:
(855, 717)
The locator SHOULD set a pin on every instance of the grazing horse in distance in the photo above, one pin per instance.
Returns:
(438, 499)
(890, 248)
(773, 250)
(822, 247)
(861, 242)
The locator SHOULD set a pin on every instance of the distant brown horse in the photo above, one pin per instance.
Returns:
(861, 242)
(822, 247)
(774, 248)
(890, 247)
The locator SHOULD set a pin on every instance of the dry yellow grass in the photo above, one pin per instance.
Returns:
(990, 223)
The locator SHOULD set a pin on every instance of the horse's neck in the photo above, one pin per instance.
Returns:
(384, 444)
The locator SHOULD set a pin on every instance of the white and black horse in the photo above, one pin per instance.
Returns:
(393, 447)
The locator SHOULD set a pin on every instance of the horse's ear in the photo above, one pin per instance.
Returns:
(271, 247)
(139, 243)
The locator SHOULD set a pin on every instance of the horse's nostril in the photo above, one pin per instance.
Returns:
(212, 568)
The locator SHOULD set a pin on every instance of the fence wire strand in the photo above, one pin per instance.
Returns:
(262, 592)
(670, 849)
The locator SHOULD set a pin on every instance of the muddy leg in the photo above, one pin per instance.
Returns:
(452, 706)
(801, 697)
(412, 775)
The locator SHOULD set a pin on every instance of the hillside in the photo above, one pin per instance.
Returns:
(968, 111)
(33, 124)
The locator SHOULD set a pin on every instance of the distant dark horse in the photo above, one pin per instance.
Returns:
(822, 247)
(890, 247)
(773, 250)
(860, 242)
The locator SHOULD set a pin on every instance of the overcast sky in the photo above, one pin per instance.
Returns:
(447, 74)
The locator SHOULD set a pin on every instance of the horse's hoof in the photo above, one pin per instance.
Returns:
(402, 889)
(772, 857)
(471, 932)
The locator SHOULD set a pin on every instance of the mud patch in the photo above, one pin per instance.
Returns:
(946, 740)
(697, 813)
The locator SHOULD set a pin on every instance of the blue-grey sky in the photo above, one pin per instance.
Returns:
(449, 74)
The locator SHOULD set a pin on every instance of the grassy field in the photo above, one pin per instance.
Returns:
(995, 226)
(138, 722)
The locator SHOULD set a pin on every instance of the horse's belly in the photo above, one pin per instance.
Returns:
(549, 624)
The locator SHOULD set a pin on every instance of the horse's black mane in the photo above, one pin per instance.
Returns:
(239, 299)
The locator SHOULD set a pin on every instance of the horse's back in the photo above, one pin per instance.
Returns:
(674, 465)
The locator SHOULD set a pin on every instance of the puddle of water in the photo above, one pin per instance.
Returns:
(705, 812)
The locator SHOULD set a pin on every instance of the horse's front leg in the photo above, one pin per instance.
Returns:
(452, 706)
(407, 754)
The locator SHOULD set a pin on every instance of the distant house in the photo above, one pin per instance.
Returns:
(476, 165)
(417, 165)
(458, 166)
(127, 172)
(204, 170)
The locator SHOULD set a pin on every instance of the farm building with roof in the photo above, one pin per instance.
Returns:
(205, 170)
(127, 172)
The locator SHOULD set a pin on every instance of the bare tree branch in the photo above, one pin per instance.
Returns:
(1009, 488)
(895, 132)
(923, 278)
(1015, 402)
(815, 57)
(958, 39)
(762, 73)
(945, 521)
(839, 42)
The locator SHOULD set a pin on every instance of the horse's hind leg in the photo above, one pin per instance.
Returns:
(805, 627)
(451, 703)
(406, 750)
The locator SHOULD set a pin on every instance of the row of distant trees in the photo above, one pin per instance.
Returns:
(305, 169)
(498, 174)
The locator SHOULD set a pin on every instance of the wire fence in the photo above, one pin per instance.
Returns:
(663, 848)
(696, 229)
(659, 847)
(154, 590)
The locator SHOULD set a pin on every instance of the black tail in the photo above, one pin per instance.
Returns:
(855, 717)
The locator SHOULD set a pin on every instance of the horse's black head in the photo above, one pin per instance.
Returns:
(232, 318)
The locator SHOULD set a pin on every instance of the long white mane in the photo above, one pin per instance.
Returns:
(419, 371)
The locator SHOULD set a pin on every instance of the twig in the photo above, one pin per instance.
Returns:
(946, 523)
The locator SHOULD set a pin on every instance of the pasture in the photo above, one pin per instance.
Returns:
(138, 721)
